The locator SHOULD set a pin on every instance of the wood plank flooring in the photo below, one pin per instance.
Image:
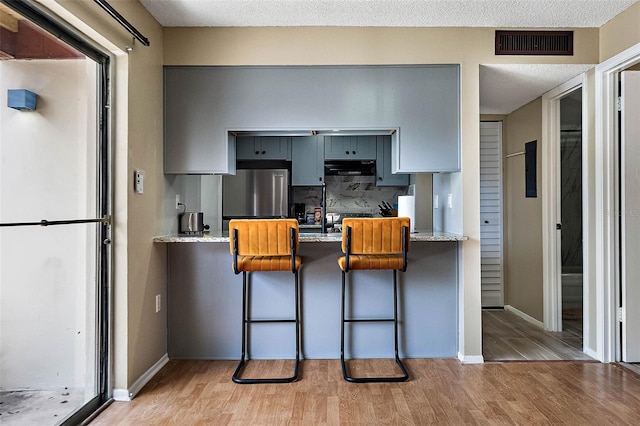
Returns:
(440, 391)
(508, 337)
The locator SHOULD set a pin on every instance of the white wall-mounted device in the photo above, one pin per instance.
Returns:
(138, 181)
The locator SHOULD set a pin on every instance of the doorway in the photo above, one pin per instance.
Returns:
(607, 198)
(55, 209)
(570, 182)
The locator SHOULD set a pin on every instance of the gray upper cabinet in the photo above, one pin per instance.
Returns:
(384, 177)
(307, 161)
(263, 148)
(193, 141)
(350, 147)
(204, 105)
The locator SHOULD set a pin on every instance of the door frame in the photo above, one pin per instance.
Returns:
(53, 22)
(605, 198)
(627, 348)
(607, 294)
(551, 205)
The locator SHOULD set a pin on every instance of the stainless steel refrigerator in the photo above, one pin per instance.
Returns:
(255, 193)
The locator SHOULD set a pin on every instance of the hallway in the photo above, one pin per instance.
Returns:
(507, 337)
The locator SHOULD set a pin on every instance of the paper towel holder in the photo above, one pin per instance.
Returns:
(407, 208)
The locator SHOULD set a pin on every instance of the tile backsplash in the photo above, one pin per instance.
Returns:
(349, 194)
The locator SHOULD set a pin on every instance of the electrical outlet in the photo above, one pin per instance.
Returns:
(450, 200)
(158, 303)
(436, 201)
(178, 202)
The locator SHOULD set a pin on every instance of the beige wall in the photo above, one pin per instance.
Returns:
(147, 331)
(362, 45)
(523, 216)
(620, 33)
(139, 333)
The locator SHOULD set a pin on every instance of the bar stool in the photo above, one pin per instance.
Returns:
(264, 245)
(374, 244)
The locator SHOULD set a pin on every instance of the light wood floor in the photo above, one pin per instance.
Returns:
(440, 391)
(507, 337)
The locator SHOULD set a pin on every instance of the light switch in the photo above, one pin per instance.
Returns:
(450, 200)
(436, 201)
(139, 181)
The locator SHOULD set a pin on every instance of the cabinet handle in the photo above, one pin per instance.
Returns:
(379, 177)
(257, 152)
(320, 179)
(353, 152)
(264, 152)
(346, 152)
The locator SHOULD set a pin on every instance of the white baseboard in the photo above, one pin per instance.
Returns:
(128, 394)
(524, 316)
(593, 354)
(470, 359)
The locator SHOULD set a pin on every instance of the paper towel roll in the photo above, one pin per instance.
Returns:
(407, 208)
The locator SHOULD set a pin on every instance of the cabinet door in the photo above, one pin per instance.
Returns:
(274, 148)
(337, 147)
(350, 147)
(384, 177)
(247, 148)
(263, 148)
(193, 141)
(363, 147)
(307, 161)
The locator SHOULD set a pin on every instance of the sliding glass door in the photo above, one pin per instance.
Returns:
(54, 220)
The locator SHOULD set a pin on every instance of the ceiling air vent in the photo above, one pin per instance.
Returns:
(534, 43)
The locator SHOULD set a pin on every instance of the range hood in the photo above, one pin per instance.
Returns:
(350, 168)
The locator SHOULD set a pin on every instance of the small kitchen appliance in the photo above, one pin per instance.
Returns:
(191, 223)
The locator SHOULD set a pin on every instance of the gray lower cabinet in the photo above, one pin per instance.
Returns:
(350, 147)
(384, 177)
(307, 161)
(205, 305)
(263, 148)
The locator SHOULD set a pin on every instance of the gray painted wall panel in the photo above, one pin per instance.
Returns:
(205, 305)
(202, 103)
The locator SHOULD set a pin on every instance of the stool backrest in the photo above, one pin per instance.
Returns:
(263, 237)
(384, 235)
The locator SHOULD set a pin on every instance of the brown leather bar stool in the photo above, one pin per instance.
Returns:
(367, 244)
(264, 245)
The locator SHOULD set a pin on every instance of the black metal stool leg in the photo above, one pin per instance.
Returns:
(405, 374)
(246, 321)
(342, 323)
(241, 364)
(345, 374)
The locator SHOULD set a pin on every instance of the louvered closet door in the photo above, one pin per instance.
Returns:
(491, 214)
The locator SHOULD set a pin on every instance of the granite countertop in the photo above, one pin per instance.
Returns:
(304, 237)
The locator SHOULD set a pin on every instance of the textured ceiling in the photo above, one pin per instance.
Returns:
(503, 88)
(385, 13)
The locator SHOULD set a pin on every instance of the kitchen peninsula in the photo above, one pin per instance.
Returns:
(205, 301)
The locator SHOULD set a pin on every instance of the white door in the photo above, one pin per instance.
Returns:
(630, 215)
(491, 214)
